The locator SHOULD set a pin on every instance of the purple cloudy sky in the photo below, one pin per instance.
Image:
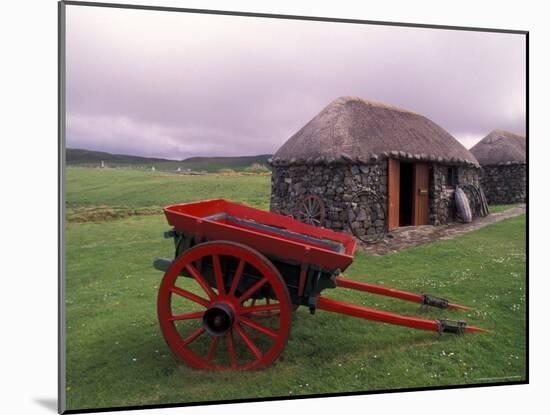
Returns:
(177, 85)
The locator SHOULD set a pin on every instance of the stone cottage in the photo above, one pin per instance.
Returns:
(404, 164)
(502, 156)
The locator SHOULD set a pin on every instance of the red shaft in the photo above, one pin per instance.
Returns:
(336, 306)
(388, 292)
(378, 289)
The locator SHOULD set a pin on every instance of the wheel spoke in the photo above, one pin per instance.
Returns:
(255, 309)
(190, 296)
(252, 289)
(212, 348)
(231, 349)
(200, 279)
(310, 205)
(187, 316)
(316, 210)
(193, 336)
(236, 278)
(218, 274)
(248, 341)
(316, 221)
(258, 327)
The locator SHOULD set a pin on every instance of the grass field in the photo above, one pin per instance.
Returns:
(96, 194)
(500, 208)
(116, 355)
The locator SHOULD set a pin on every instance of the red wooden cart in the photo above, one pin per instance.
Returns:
(251, 270)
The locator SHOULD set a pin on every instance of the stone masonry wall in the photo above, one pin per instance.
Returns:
(504, 183)
(337, 184)
(440, 190)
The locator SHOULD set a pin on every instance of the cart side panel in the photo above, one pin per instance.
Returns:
(201, 209)
(269, 245)
(209, 208)
(291, 224)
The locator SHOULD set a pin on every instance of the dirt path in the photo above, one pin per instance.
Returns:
(410, 236)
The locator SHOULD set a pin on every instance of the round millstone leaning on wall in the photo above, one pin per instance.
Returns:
(336, 184)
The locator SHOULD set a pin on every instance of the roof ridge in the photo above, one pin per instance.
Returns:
(374, 103)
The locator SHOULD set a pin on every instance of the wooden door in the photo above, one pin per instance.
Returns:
(421, 194)
(393, 194)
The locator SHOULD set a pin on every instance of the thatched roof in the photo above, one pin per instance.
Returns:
(501, 147)
(351, 129)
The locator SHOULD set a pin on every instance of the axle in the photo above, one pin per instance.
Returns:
(439, 326)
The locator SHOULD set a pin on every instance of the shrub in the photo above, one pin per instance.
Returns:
(257, 168)
(226, 171)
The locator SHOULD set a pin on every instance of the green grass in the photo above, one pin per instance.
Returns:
(116, 355)
(500, 208)
(126, 188)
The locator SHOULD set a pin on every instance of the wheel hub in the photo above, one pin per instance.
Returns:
(218, 319)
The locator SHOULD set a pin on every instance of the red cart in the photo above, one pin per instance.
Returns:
(252, 269)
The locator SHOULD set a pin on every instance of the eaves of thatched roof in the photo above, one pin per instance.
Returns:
(500, 148)
(354, 130)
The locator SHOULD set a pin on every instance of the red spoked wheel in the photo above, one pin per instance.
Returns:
(208, 322)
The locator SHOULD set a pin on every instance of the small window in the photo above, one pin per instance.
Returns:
(452, 176)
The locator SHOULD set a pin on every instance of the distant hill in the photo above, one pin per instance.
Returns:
(80, 157)
(216, 163)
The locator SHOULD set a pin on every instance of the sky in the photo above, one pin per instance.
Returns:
(177, 85)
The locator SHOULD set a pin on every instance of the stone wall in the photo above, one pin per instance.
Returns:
(504, 183)
(336, 185)
(442, 193)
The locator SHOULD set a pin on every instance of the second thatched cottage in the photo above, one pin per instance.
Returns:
(502, 155)
(405, 164)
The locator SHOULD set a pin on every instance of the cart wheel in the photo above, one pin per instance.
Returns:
(222, 317)
(311, 210)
